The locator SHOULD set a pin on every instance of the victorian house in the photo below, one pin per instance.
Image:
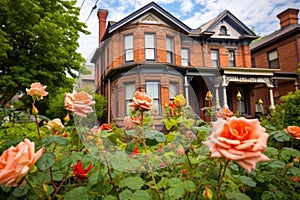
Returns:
(279, 51)
(150, 50)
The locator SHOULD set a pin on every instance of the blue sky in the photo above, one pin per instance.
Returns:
(260, 14)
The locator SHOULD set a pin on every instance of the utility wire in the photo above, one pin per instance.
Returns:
(82, 4)
(95, 6)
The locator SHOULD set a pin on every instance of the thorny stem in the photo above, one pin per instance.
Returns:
(110, 176)
(221, 176)
(32, 188)
(285, 172)
(146, 156)
(57, 188)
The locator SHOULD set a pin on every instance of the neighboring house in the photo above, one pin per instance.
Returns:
(87, 80)
(279, 51)
(152, 51)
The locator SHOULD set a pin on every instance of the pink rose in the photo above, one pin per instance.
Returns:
(16, 162)
(37, 90)
(141, 101)
(79, 103)
(239, 139)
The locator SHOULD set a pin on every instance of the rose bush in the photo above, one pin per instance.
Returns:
(186, 158)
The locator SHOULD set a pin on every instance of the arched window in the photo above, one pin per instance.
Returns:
(223, 30)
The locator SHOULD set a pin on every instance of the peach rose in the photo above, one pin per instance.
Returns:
(16, 162)
(80, 103)
(294, 131)
(130, 122)
(55, 125)
(141, 101)
(239, 139)
(37, 90)
(224, 113)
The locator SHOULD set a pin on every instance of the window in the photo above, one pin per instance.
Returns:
(223, 30)
(231, 58)
(185, 58)
(116, 101)
(128, 48)
(253, 63)
(242, 104)
(273, 59)
(214, 53)
(173, 90)
(152, 90)
(170, 49)
(129, 94)
(150, 46)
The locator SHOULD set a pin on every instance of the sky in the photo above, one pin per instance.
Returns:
(259, 15)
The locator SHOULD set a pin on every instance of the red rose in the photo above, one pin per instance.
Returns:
(294, 131)
(79, 172)
(105, 127)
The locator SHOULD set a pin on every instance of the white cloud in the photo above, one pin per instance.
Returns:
(260, 14)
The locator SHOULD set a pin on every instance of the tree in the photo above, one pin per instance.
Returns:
(38, 42)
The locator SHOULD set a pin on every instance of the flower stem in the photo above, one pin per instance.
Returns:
(37, 126)
(32, 188)
(222, 173)
(146, 156)
(110, 176)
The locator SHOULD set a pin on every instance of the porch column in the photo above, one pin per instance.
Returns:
(109, 99)
(296, 85)
(217, 96)
(224, 91)
(186, 85)
(272, 106)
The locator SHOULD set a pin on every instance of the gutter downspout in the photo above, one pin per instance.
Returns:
(109, 99)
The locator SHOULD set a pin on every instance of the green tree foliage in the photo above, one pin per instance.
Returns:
(38, 42)
(291, 104)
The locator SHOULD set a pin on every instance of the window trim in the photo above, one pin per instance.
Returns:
(218, 58)
(128, 49)
(150, 48)
(223, 28)
(185, 59)
(171, 50)
(270, 62)
(177, 90)
(158, 92)
(126, 108)
(229, 61)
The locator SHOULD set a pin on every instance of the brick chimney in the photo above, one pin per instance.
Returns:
(102, 15)
(287, 17)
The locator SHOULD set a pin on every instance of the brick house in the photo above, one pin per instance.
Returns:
(150, 50)
(279, 50)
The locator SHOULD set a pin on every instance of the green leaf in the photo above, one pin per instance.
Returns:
(125, 194)
(271, 152)
(295, 171)
(54, 139)
(141, 194)
(20, 191)
(79, 193)
(153, 134)
(189, 185)
(176, 192)
(268, 195)
(133, 183)
(248, 181)
(170, 123)
(46, 161)
(276, 164)
(287, 153)
(57, 175)
(237, 196)
(280, 136)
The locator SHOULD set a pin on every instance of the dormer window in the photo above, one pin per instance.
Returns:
(223, 30)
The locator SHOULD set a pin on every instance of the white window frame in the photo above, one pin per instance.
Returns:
(128, 48)
(170, 49)
(152, 88)
(215, 59)
(150, 46)
(185, 57)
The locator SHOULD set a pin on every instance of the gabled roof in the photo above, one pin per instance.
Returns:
(230, 18)
(273, 37)
(143, 10)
